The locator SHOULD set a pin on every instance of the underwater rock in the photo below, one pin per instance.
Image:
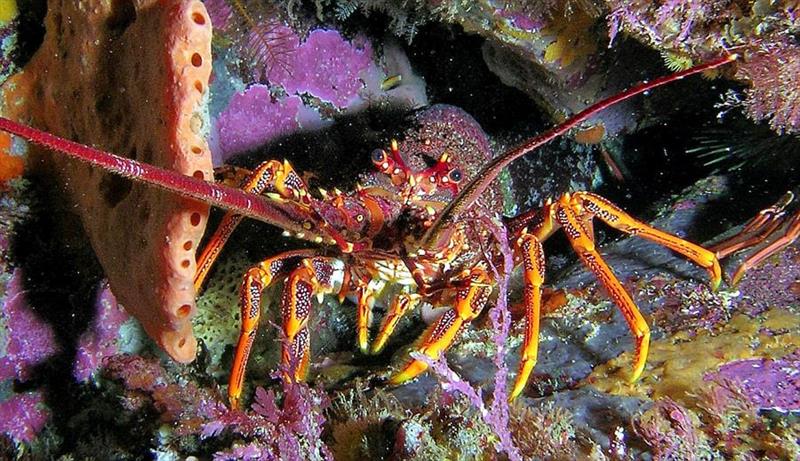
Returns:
(678, 365)
(8, 39)
(595, 414)
(691, 31)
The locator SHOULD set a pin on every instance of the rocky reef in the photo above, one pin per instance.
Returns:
(97, 297)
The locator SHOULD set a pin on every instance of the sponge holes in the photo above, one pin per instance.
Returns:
(183, 311)
(198, 18)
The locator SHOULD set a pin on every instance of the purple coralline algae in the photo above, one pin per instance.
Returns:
(768, 383)
(521, 20)
(327, 67)
(772, 283)
(220, 13)
(238, 131)
(23, 416)
(286, 427)
(27, 340)
(669, 430)
(102, 338)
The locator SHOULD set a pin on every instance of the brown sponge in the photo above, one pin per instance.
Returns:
(129, 77)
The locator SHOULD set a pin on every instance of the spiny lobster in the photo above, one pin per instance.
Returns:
(425, 224)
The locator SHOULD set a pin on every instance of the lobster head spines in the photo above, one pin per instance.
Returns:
(446, 130)
(444, 148)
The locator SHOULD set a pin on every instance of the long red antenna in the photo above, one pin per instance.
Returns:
(489, 172)
(235, 200)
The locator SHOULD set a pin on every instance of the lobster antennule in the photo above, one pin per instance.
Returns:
(491, 170)
(218, 195)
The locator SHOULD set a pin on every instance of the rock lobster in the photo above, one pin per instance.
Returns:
(424, 223)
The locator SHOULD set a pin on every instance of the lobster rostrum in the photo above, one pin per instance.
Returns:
(421, 223)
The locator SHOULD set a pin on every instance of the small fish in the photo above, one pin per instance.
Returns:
(391, 82)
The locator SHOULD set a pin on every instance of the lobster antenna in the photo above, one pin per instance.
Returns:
(229, 198)
(489, 172)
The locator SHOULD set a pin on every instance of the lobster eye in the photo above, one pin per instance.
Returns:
(456, 175)
(378, 156)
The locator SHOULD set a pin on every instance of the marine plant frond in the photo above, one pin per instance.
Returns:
(345, 8)
(406, 16)
(676, 62)
(258, 32)
(269, 46)
(741, 143)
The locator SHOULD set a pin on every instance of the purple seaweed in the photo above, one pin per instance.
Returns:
(101, 340)
(23, 416)
(769, 383)
(28, 340)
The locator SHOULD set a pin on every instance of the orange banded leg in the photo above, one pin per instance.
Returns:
(365, 293)
(533, 265)
(255, 281)
(401, 305)
(271, 175)
(790, 234)
(469, 301)
(618, 219)
(757, 229)
(313, 277)
(583, 244)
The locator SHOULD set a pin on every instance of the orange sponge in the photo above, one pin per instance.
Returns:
(11, 166)
(130, 78)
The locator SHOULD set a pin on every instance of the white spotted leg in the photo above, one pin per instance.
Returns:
(470, 297)
(304, 271)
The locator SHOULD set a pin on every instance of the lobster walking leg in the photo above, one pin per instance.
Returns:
(584, 246)
(366, 300)
(534, 267)
(269, 176)
(574, 213)
(790, 234)
(400, 306)
(469, 301)
(313, 277)
(756, 230)
(583, 202)
(256, 279)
